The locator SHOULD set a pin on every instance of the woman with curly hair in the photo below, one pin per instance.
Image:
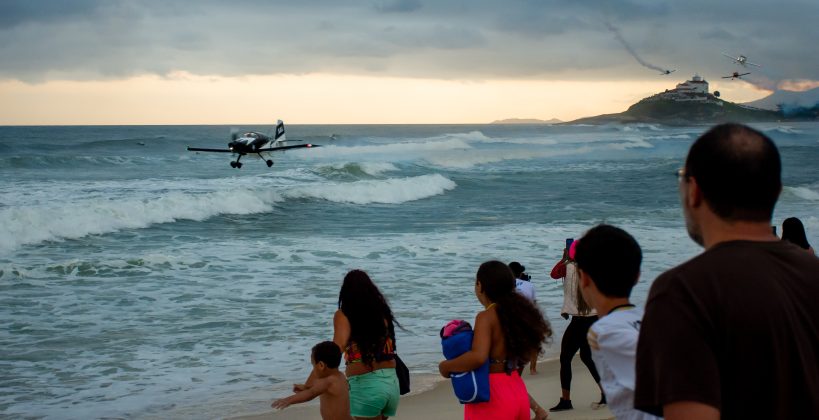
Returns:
(508, 332)
(364, 330)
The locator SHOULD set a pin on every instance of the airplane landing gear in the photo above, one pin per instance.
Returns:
(237, 164)
(269, 163)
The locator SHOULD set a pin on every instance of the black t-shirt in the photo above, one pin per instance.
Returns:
(736, 328)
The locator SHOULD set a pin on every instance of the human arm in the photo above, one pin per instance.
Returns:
(683, 410)
(477, 355)
(319, 387)
(341, 330)
(675, 362)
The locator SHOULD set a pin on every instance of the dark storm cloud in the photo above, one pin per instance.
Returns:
(456, 39)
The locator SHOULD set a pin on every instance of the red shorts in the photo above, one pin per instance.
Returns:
(508, 400)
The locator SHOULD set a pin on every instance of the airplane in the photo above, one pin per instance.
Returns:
(665, 72)
(741, 60)
(736, 75)
(255, 143)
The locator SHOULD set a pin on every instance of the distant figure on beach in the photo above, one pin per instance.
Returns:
(794, 232)
(364, 327)
(734, 332)
(507, 332)
(329, 383)
(574, 338)
(608, 263)
(527, 289)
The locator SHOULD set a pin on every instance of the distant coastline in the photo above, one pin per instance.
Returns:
(527, 121)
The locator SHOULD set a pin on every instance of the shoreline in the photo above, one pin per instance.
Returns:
(434, 398)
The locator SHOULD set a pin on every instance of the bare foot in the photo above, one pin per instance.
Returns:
(533, 371)
(541, 414)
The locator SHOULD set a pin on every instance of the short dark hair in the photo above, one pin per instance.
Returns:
(611, 257)
(738, 170)
(327, 352)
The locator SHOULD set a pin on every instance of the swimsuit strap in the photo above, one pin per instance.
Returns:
(490, 306)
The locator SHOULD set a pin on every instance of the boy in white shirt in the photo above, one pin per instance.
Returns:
(608, 262)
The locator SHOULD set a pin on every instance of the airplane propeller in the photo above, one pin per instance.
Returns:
(234, 134)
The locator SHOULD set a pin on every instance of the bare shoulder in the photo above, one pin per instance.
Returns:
(338, 383)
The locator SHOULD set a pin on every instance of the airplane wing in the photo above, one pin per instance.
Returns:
(752, 64)
(295, 146)
(196, 149)
(743, 74)
(731, 57)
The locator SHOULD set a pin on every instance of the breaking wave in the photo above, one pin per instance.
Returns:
(24, 225)
(388, 191)
(803, 193)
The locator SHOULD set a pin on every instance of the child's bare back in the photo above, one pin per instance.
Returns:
(335, 402)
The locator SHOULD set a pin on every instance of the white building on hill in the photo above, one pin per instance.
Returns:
(694, 90)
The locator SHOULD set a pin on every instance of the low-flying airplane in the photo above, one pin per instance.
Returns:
(253, 143)
(736, 75)
(741, 60)
(665, 72)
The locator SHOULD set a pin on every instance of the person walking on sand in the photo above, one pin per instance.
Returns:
(329, 383)
(574, 338)
(507, 332)
(608, 263)
(364, 327)
(734, 332)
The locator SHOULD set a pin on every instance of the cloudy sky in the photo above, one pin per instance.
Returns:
(383, 61)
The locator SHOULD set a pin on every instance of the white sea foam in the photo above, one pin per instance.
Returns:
(29, 225)
(804, 193)
(784, 129)
(387, 191)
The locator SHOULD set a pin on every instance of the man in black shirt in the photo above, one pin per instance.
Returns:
(734, 332)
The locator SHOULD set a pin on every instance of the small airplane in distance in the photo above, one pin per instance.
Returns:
(741, 60)
(736, 75)
(251, 143)
(665, 72)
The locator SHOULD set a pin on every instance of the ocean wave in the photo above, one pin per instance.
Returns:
(30, 225)
(387, 191)
(639, 126)
(784, 129)
(391, 150)
(356, 169)
(804, 193)
(35, 161)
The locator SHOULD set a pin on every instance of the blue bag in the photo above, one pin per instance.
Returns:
(469, 387)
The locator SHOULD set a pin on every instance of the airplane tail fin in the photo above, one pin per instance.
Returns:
(280, 132)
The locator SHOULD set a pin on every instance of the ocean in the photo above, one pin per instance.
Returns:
(140, 280)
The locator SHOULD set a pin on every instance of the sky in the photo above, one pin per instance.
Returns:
(383, 61)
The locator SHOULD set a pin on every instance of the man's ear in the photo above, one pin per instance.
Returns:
(694, 193)
(321, 365)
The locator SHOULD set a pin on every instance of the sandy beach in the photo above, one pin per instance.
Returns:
(438, 401)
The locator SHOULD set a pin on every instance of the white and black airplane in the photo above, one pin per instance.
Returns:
(741, 60)
(253, 143)
(736, 75)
